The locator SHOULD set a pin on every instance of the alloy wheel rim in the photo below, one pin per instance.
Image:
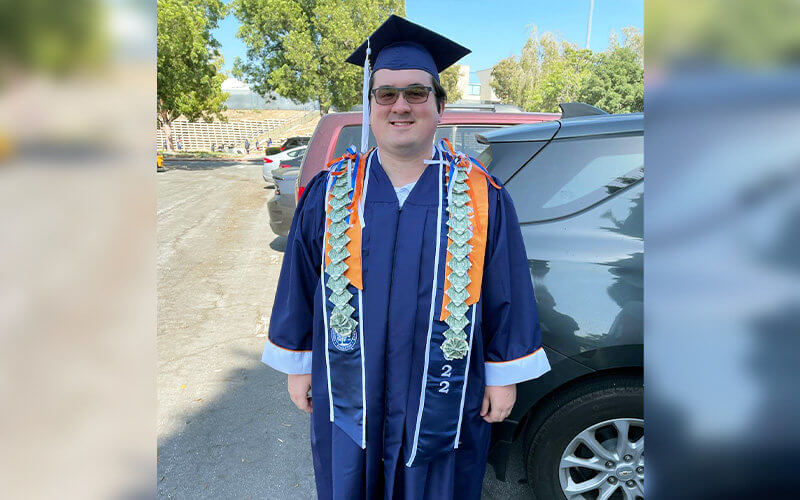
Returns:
(605, 461)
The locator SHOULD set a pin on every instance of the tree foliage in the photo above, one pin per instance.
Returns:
(449, 80)
(297, 48)
(616, 83)
(189, 61)
(550, 71)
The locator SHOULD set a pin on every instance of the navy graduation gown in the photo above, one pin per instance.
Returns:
(398, 248)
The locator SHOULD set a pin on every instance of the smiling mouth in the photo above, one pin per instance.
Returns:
(401, 123)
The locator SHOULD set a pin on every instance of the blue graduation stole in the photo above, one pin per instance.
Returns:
(451, 324)
(342, 301)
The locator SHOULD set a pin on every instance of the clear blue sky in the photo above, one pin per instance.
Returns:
(494, 30)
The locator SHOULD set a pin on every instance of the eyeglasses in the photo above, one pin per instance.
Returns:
(413, 94)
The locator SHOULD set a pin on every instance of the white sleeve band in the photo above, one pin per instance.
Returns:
(517, 370)
(286, 361)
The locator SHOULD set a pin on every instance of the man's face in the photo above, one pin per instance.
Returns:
(402, 126)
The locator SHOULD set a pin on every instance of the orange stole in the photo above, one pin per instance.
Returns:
(479, 201)
(353, 261)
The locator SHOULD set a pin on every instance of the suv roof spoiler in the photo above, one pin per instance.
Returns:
(573, 109)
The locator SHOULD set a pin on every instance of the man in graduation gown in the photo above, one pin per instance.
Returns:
(405, 304)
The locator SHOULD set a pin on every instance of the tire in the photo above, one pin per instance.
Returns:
(603, 409)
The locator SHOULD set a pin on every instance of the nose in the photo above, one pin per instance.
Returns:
(401, 105)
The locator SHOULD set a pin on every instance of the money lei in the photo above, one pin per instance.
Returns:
(341, 315)
(455, 344)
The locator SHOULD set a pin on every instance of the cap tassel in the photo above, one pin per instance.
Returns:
(365, 103)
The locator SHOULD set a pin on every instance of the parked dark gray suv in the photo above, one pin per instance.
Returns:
(577, 185)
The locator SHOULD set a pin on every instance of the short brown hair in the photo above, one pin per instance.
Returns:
(438, 91)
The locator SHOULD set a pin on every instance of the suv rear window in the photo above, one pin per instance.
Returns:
(570, 175)
(461, 136)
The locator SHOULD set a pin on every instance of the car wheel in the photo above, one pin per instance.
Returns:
(591, 445)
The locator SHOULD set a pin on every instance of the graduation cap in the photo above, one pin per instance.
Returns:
(400, 44)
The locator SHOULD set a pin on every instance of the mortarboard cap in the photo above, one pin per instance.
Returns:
(400, 44)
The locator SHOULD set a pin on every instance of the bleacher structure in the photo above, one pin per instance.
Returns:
(199, 136)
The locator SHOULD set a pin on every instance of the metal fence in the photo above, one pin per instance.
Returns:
(199, 136)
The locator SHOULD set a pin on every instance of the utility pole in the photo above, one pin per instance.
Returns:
(589, 28)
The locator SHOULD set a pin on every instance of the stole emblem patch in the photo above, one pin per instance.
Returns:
(344, 342)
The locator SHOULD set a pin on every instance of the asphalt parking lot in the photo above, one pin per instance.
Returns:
(226, 426)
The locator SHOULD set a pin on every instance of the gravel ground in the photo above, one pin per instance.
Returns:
(226, 427)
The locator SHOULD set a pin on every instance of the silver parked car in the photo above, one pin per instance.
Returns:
(281, 206)
(291, 156)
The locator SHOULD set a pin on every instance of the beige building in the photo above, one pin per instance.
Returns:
(486, 91)
(474, 86)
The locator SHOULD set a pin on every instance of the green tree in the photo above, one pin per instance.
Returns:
(616, 82)
(449, 80)
(507, 80)
(547, 72)
(297, 48)
(550, 71)
(565, 76)
(189, 61)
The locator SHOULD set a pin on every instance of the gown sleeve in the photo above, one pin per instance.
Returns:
(288, 347)
(512, 336)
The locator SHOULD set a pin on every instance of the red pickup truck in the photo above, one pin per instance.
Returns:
(336, 131)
